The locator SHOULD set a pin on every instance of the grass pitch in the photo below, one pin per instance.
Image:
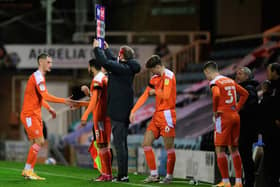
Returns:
(64, 176)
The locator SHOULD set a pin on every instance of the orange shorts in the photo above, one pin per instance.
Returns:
(102, 130)
(227, 127)
(33, 126)
(163, 124)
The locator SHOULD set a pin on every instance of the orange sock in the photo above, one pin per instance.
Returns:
(150, 158)
(105, 161)
(171, 158)
(237, 163)
(223, 164)
(32, 155)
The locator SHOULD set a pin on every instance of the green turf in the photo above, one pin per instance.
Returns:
(63, 176)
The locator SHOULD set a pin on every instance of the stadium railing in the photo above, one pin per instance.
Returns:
(130, 37)
(177, 62)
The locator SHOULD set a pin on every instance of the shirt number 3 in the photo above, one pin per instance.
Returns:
(231, 92)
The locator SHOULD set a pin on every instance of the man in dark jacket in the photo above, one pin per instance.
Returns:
(271, 128)
(248, 123)
(121, 73)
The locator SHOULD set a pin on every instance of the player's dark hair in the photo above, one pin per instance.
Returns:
(128, 52)
(275, 67)
(93, 63)
(42, 56)
(210, 65)
(153, 61)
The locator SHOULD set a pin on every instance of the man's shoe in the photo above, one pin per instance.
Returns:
(152, 179)
(121, 179)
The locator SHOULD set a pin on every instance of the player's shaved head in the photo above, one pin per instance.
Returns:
(211, 65)
(42, 56)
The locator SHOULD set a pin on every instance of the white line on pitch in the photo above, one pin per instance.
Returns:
(75, 177)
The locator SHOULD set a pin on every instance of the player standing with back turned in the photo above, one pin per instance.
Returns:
(227, 120)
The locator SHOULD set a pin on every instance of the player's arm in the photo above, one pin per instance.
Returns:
(51, 98)
(46, 105)
(166, 91)
(42, 89)
(142, 99)
(243, 93)
(83, 103)
(91, 106)
(215, 97)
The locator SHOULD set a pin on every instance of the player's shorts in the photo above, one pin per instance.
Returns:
(102, 130)
(163, 124)
(227, 129)
(33, 126)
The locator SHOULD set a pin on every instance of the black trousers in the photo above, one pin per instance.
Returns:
(245, 150)
(120, 132)
(272, 164)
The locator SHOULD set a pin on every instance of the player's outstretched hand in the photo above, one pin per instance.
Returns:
(95, 43)
(131, 117)
(52, 112)
(152, 92)
(85, 90)
(70, 102)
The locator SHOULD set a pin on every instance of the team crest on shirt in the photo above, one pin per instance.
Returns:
(167, 129)
(166, 82)
(42, 87)
(36, 131)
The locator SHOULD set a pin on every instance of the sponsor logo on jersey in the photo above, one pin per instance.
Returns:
(167, 129)
(166, 82)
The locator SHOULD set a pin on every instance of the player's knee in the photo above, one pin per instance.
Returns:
(40, 141)
(169, 146)
(146, 144)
